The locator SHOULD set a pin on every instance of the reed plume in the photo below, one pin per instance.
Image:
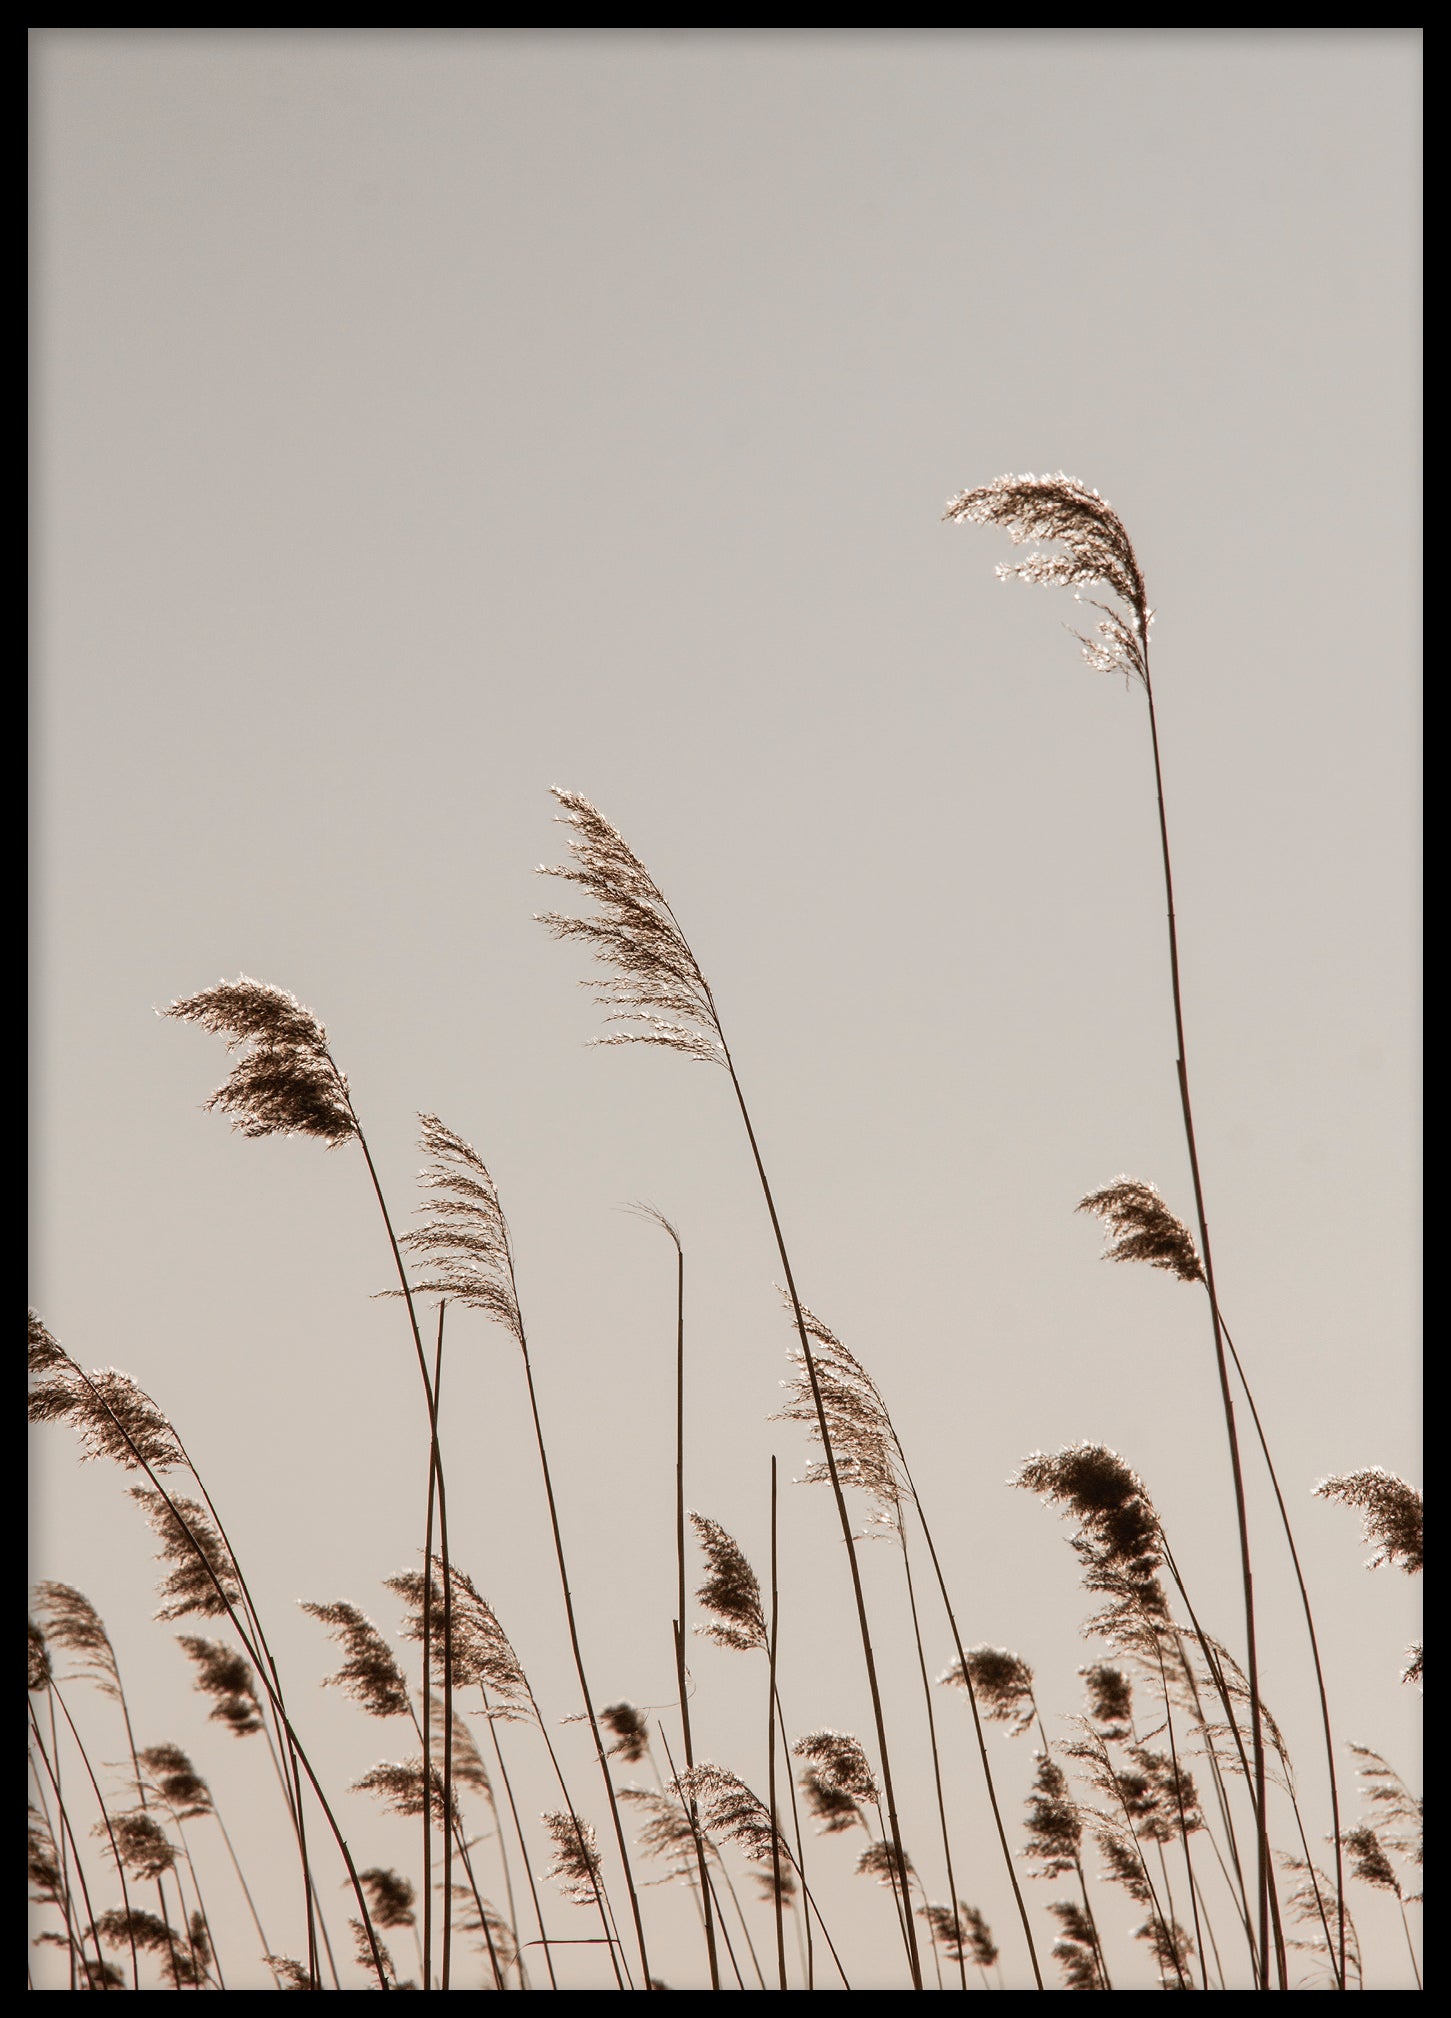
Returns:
(1142, 1228)
(203, 1582)
(1391, 1514)
(481, 1652)
(71, 1621)
(576, 1866)
(731, 1590)
(223, 1674)
(369, 1674)
(839, 1764)
(1075, 1950)
(170, 1773)
(1096, 548)
(630, 1732)
(390, 1897)
(732, 1813)
(399, 1785)
(831, 1807)
(1003, 1682)
(284, 1081)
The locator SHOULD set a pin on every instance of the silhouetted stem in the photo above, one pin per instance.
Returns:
(1241, 1512)
(808, 1358)
(936, 1758)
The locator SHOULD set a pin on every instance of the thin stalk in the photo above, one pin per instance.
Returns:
(809, 1360)
(246, 1891)
(1183, 1826)
(612, 1939)
(982, 1752)
(771, 1752)
(1340, 1975)
(1241, 1510)
(932, 1734)
(680, 1677)
(574, 1640)
(1410, 1948)
(692, 1815)
(523, 1846)
(796, 1832)
(55, 1696)
(75, 1945)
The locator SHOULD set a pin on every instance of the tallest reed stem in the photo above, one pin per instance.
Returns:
(1263, 1875)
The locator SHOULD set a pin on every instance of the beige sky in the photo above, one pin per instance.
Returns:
(424, 419)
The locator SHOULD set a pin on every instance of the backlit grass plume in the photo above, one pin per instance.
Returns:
(731, 1813)
(224, 1675)
(1004, 1685)
(284, 1082)
(654, 980)
(1142, 1228)
(463, 1245)
(840, 1763)
(576, 1866)
(731, 1590)
(203, 1581)
(1391, 1515)
(1096, 549)
(369, 1674)
(863, 1441)
(114, 1418)
(481, 1651)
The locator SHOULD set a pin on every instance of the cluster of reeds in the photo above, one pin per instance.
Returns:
(1172, 1783)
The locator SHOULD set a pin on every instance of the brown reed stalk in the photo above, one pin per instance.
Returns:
(658, 985)
(1097, 549)
(61, 1892)
(285, 1081)
(468, 1255)
(771, 1748)
(658, 1218)
(519, 1835)
(483, 1655)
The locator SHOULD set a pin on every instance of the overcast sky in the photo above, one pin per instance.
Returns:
(426, 419)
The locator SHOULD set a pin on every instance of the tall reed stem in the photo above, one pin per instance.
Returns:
(809, 1360)
(1241, 1511)
(771, 1751)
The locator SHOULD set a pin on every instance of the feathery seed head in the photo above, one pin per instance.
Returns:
(113, 1416)
(400, 1788)
(1110, 1699)
(144, 1848)
(841, 1764)
(732, 1812)
(1096, 549)
(72, 1621)
(222, 1672)
(831, 1809)
(667, 1831)
(863, 1441)
(390, 1897)
(1391, 1514)
(880, 1861)
(370, 1674)
(482, 1655)
(964, 1934)
(1055, 1828)
(1075, 1951)
(38, 1670)
(654, 981)
(166, 1770)
(1002, 1684)
(463, 1244)
(1117, 1538)
(204, 1582)
(730, 1590)
(629, 1729)
(1141, 1227)
(284, 1081)
(576, 1866)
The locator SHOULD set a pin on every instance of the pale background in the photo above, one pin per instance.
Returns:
(423, 419)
